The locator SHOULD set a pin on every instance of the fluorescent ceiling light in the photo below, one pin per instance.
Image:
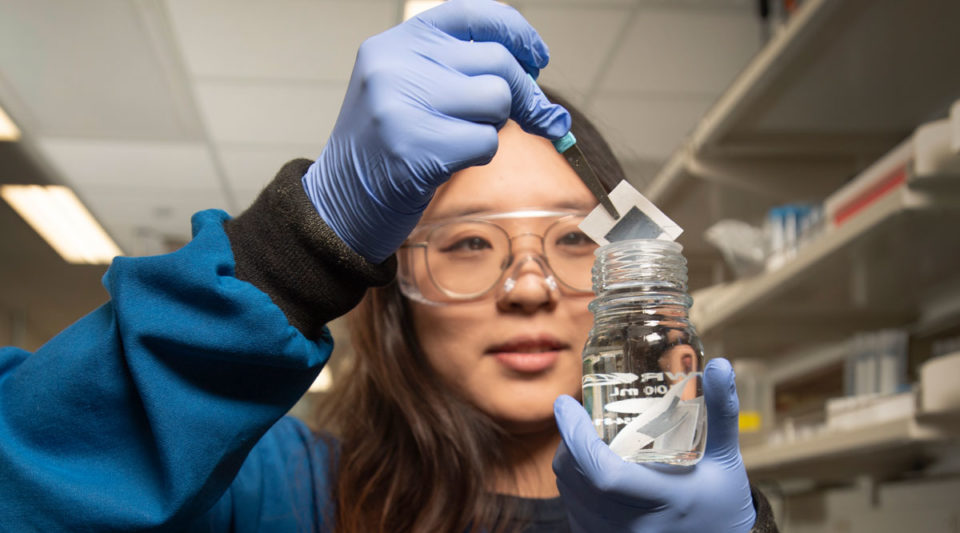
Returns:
(414, 7)
(8, 130)
(61, 219)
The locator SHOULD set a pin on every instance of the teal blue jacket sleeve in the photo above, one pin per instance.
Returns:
(140, 414)
(284, 486)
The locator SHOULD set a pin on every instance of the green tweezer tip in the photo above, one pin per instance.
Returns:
(564, 143)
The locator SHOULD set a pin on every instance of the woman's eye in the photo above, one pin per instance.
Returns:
(574, 238)
(469, 244)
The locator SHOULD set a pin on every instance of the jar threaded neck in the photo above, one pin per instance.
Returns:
(639, 265)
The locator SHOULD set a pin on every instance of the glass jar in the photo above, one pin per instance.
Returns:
(643, 362)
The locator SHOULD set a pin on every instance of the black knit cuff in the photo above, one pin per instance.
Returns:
(765, 522)
(281, 245)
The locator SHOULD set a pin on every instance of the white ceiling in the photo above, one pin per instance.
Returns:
(154, 109)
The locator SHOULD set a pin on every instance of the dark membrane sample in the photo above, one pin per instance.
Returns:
(635, 224)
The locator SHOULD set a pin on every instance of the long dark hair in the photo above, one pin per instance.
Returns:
(414, 454)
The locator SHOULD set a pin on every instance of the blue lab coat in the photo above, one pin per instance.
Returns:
(141, 413)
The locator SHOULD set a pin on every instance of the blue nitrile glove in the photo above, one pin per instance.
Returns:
(603, 493)
(425, 100)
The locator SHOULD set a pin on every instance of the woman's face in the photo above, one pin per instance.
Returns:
(511, 353)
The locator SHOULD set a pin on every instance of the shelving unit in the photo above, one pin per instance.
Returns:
(842, 84)
(881, 449)
(872, 272)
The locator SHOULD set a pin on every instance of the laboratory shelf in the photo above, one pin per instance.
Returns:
(840, 85)
(881, 268)
(883, 449)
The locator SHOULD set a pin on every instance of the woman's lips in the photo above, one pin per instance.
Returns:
(528, 354)
(528, 362)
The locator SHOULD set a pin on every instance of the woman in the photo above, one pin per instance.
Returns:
(152, 413)
(476, 371)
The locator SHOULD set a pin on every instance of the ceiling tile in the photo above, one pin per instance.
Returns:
(140, 222)
(696, 4)
(293, 39)
(523, 4)
(580, 39)
(298, 113)
(152, 166)
(687, 51)
(88, 69)
(245, 196)
(646, 128)
(250, 168)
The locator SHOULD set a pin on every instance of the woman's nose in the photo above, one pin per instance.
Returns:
(528, 286)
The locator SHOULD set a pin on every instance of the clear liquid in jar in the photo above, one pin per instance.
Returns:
(642, 388)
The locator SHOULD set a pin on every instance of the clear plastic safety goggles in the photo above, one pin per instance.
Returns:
(464, 258)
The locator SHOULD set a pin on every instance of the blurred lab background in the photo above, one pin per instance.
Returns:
(810, 150)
